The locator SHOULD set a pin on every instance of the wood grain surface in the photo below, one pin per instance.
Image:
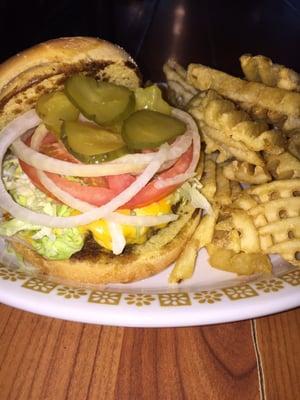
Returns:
(45, 358)
(278, 348)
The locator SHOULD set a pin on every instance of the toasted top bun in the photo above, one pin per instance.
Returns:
(44, 68)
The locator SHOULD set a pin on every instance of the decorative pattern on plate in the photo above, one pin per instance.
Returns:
(272, 285)
(39, 285)
(174, 299)
(12, 274)
(105, 297)
(240, 292)
(216, 298)
(293, 277)
(139, 299)
(209, 297)
(71, 292)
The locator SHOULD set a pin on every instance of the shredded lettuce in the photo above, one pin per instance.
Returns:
(59, 246)
(54, 244)
(190, 191)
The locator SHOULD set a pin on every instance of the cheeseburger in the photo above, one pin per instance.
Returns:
(98, 174)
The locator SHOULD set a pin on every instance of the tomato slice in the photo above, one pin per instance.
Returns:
(97, 195)
(99, 191)
(150, 193)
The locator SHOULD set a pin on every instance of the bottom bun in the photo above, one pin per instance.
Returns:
(137, 262)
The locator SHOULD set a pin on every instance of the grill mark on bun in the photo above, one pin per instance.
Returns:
(91, 69)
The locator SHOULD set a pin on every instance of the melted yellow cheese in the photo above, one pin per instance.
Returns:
(132, 234)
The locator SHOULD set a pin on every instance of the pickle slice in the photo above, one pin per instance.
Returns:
(99, 158)
(54, 108)
(146, 129)
(88, 139)
(151, 98)
(102, 102)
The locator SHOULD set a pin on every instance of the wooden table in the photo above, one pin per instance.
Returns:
(46, 358)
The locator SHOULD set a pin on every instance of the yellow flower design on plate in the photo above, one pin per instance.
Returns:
(273, 285)
(293, 278)
(39, 285)
(240, 292)
(12, 275)
(71, 292)
(105, 297)
(174, 299)
(209, 297)
(139, 299)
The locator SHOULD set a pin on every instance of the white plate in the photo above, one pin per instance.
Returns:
(211, 296)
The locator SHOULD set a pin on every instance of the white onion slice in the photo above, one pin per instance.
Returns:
(38, 136)
(192, 127)
(117, 238)
(177, 148)
(119, 218)
(83, 206)
(17, 127)
(49, 164)
(30, 120)
(131, 163)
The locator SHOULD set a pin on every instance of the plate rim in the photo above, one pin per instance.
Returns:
(151, 313)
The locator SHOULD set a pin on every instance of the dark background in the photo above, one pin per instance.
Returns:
(211, 32)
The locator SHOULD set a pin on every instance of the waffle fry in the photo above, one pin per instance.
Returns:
(225, 234)
(273, 99)
(294, 145)
(227, 238)
(258, 113)
(237, 149)
(235, 230)
(216, 187)
(240, 263)
(236, 189)
(244, 201)
(241, 148)
(221, 139)
(223, 189)
(269, 217)
(283, 166)
(262, 69)
(212, 146)
(266, 240)
(291, 125)
(208, 180)
(286, 123)
(243, 223)
(246, 173)
(277, 218)
(289, 250)
(277, 209)
(180, 92)
(290, 227)
(276, 190)
(223, 115)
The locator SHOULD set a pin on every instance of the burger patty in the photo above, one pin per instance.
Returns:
(92, 250)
